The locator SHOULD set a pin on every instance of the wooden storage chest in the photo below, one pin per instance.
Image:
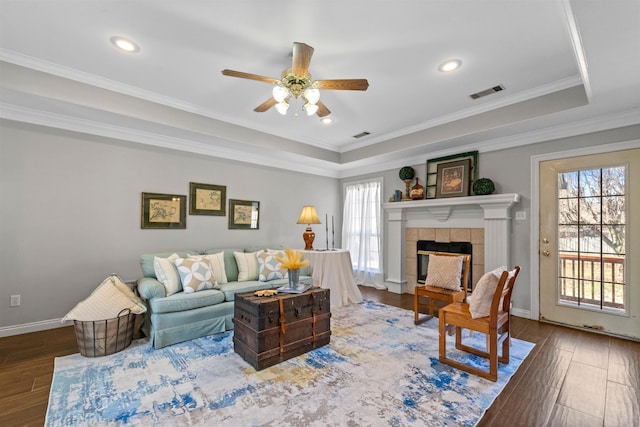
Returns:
(269, 330)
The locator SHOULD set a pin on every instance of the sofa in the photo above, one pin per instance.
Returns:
(183, 311)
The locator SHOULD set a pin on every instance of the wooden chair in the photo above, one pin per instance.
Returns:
(496, 326)
(436, 293)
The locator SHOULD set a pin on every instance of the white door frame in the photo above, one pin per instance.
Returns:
(534, 260)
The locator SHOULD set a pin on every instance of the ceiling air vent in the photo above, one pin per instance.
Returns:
(361, 134)
(486, 92)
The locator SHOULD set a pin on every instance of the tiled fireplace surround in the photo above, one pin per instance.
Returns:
(485, 221)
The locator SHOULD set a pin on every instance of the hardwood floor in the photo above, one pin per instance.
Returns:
(571, 377)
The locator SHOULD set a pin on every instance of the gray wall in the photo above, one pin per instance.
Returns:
(510, 169)
(70, 212)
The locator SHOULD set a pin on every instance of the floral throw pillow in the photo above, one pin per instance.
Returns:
(196, 274)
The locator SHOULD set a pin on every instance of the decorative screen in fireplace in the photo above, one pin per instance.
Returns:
(427, 247)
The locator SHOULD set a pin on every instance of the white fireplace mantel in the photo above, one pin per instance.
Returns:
(493, 212)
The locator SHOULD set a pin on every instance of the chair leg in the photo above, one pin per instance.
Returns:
(415, 307)
(493, 356)
(442, 337)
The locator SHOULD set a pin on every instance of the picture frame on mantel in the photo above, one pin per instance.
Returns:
(164, 211)
(207, 199)
(432, 170)
(453, 179)
(244, 214)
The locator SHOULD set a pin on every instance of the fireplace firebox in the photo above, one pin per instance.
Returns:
(427, 247)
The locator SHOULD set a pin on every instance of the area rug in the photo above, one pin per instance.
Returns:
(378, 370)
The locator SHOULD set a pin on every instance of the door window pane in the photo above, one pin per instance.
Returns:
(591, 238)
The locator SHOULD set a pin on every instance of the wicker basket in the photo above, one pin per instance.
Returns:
(104, 337)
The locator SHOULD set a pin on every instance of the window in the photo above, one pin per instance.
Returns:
(591, 238)
(361, 230)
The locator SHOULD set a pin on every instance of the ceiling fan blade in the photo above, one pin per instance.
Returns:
(265, 105)
(342, 84)
(249, 76)
(322, 109)
(301, 59)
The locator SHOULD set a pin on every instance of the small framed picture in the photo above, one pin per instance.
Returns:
(244, 214)
(453, 179)
(164, 211)
(207, 199)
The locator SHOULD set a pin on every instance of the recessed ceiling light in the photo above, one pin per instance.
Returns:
(326, 120)
(450, 65)
(125, 44)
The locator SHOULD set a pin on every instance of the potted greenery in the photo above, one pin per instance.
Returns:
(406, 174)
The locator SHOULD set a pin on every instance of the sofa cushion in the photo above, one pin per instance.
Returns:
(269, 268)
(167, 273)
(183, 301)
(247, 266)
(195, 273)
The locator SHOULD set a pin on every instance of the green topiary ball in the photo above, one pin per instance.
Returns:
(407, 172)
(483, 187)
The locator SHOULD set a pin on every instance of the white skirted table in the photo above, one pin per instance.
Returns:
(332, 270)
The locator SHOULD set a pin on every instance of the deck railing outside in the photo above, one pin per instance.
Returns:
(592, 280)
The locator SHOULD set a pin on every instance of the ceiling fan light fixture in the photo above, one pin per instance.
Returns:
(311, 109)
(280, 93)
(312, 95)
(450, 65)
(282, 107)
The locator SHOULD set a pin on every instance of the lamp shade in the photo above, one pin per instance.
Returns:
(308, 216)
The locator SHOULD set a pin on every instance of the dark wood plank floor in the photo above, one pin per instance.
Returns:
(571, 377)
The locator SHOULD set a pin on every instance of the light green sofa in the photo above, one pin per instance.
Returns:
(185, 316)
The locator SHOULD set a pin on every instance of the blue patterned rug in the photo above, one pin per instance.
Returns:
(379, 369)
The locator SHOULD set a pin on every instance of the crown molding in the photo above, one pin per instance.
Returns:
(279, 160)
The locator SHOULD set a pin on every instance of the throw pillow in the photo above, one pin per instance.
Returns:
(106, 302)
(196, 274)
(217, 265)
(444, 272)
(167, 274)
(482, 295)
(247, 266)
(269, 268)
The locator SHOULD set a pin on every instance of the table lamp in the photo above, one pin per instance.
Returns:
(308, 216)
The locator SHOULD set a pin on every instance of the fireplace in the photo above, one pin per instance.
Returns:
(427, 247)
(452, 219)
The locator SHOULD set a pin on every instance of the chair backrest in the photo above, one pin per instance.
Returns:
(503, 294)
(466, 265)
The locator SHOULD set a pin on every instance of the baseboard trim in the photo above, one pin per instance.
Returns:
(25, 328)
(518, 312)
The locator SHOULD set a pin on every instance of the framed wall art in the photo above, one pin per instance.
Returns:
(207, 199)
(244, 214)
(164, 211)
(453, 179)
(432, 170)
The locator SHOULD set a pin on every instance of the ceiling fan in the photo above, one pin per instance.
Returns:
(297, 81)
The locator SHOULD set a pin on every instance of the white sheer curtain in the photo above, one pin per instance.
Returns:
(362, 231)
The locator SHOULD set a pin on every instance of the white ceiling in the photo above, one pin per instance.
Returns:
(568, 67)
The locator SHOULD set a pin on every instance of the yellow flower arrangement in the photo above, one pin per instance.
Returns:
(293, 260)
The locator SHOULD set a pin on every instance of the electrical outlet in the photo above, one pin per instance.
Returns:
(15, 300)
(521, 215)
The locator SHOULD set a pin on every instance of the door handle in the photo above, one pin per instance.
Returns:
(546, 253)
